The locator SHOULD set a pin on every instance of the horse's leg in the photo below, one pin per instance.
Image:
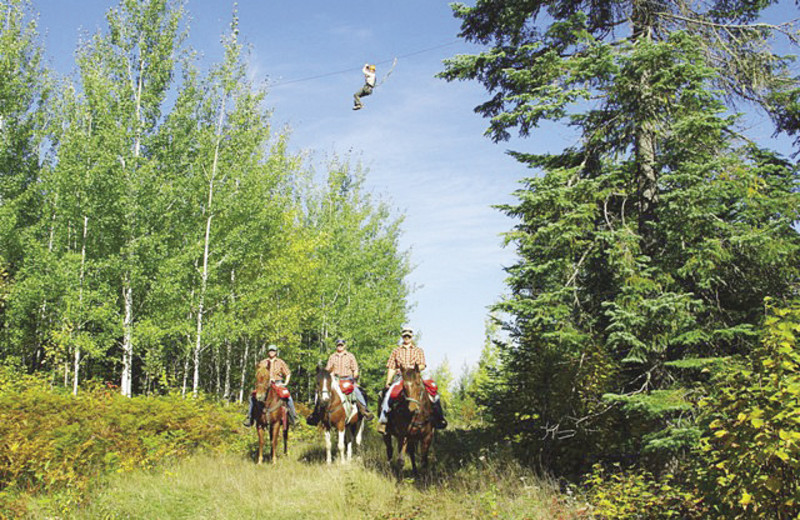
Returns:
(412, 454)
(401, 453)
(360, 433)
(286, 441)
(328, 457)
(275, 432)
(260, 431)
(340, 444)
(387, 440)
(425, 447)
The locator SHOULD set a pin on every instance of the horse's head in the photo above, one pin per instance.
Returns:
(262, 380)
(413, 387)
(324, 382)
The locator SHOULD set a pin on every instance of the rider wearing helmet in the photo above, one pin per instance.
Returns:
(343, 365)
(406, 356)
(279, 374)
(369, 84)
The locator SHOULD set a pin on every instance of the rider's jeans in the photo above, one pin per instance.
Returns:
(385, 404)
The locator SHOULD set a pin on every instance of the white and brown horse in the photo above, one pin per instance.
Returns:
(271, 414)
(410, 421)
(338, 413)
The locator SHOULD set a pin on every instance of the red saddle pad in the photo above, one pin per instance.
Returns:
(431, 387)
(396, 391)
(282, 391)
(347, 386)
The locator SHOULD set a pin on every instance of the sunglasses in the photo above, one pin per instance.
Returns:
(406, 335)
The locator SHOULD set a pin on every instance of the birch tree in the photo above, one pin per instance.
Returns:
(126, 74)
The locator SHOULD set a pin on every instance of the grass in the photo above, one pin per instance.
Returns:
(462, 483)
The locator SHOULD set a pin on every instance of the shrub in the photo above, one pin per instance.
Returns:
(53, 442)
(632, 493)
(751, 447)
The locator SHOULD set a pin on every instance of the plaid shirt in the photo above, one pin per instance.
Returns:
(277, 370)
(406, 357)
(342, 365)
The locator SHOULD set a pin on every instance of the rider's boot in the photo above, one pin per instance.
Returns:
(439, 422)
(381, 428)
(365, 412)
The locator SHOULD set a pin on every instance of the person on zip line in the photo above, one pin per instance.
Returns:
(366, 90)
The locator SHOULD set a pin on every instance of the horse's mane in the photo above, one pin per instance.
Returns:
(262, 381)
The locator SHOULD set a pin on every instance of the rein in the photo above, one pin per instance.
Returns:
(415, 423)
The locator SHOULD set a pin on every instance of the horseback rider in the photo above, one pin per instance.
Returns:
(406, 356)
(343, 365)
(279, 374)
(366, 90)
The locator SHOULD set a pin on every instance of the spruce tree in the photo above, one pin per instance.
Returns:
(647, 248)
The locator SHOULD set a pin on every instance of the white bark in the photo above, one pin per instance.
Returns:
(127, 340)
(127, 285)
(207, 241)
(244, 369)
(227, 391)
(77, 363)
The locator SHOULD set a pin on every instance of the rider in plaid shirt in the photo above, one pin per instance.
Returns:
(278, 373)
(406, 356)
(343, 365)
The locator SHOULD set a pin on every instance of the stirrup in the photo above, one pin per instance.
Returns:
(366, 414)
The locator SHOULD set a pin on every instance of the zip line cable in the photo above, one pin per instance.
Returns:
(393, 61)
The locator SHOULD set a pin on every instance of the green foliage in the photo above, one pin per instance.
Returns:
(653, 240)
(59, 443)
(175, 240)
(751, 444)
(630, 494)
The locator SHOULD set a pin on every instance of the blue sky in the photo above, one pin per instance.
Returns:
(418, 136)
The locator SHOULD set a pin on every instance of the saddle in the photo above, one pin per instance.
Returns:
(346, 386)
(431, 387)
(282, 391)
(397, 390)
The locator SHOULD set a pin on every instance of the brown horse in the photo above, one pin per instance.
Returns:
(410, 421)
(271, 413)
(337, 412)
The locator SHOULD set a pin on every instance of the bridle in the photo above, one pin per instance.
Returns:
(325, 398)
(414, 422)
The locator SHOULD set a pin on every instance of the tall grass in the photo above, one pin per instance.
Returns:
(478, 485)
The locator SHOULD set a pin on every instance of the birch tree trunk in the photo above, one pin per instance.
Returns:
(127, 343)
(127, 286)
(80, 307)
(227, 391)
(204, 279)
(244, 368)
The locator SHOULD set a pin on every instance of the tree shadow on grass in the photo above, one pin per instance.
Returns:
(452, 451)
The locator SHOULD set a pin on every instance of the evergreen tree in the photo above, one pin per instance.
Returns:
(646, 250)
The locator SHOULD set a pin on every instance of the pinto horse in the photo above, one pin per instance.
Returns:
(410, 421)
(271, 414)
(336, 412)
